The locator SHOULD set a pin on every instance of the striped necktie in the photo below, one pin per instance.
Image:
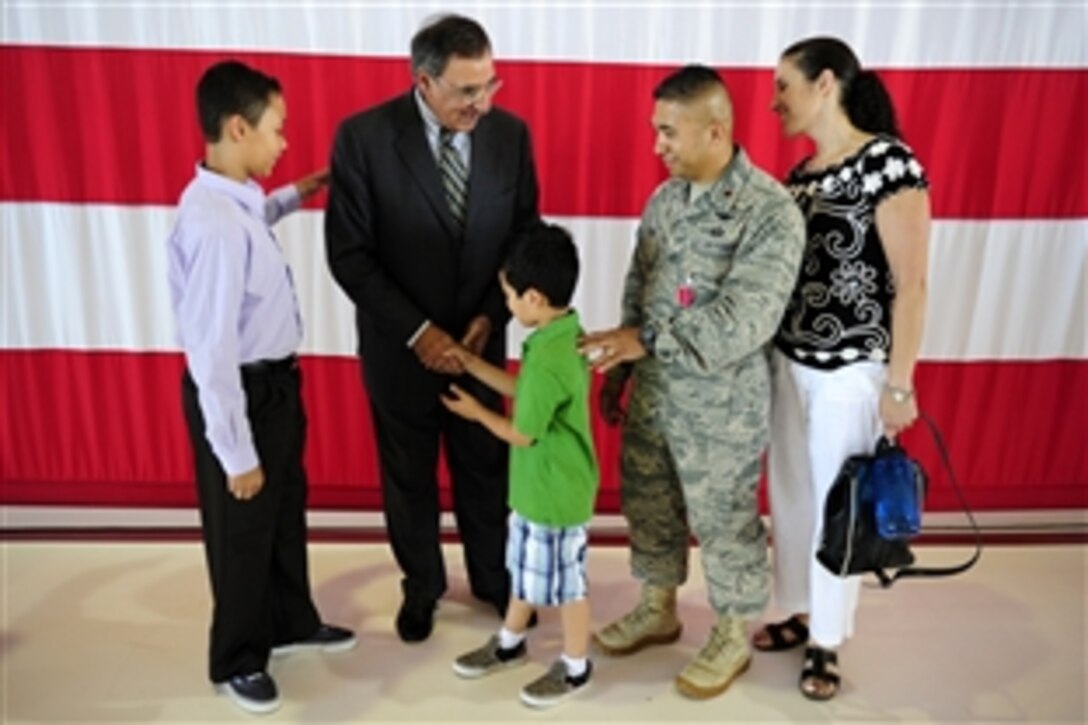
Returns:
(454, 176)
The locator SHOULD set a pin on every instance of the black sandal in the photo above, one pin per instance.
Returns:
(821, 666)
(794, 627)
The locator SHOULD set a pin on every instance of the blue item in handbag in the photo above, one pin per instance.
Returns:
(897, 486)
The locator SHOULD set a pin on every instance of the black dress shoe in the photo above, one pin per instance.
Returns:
(415, 620)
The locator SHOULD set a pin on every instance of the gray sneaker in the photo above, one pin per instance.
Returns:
(488, 659)
(555, 686)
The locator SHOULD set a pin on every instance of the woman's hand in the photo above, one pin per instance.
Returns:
(898, 410)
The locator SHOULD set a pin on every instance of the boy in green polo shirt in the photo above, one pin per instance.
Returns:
(553, 469)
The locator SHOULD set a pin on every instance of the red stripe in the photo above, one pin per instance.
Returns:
(106, 429)
(118, 126)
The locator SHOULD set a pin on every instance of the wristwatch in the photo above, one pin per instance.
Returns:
(898, 395)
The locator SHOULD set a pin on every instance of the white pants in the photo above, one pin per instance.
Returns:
(818, 419)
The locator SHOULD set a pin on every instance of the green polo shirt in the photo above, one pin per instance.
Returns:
(554, 481)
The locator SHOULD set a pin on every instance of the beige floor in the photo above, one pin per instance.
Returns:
(116, 633)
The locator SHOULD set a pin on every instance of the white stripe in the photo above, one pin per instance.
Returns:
(896, 33)
(1007, 289)
(94, 277)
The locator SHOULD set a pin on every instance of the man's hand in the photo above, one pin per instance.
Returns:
(605, 350)
(307, 186)
(608, 402)
(476, 334)
(462, 403)
(246, 485)
(431, 348)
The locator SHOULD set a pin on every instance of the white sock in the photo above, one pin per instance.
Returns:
(508, 639)
(576, 667)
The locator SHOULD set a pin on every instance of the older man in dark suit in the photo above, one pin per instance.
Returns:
(427, 192)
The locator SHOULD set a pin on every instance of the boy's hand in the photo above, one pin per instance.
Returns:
(462, 403)
(460, 355)
(246, 485)
(307, 186)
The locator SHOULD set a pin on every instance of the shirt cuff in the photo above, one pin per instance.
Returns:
(280, 203)
(288, 198)
(239, 461)
(419, 331)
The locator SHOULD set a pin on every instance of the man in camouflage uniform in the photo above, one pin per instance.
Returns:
(718, 251)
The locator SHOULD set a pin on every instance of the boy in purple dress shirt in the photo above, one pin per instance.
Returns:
(239, 325)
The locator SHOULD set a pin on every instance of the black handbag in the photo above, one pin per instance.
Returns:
(874, 509)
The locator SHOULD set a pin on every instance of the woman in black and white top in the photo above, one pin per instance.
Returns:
(846, 349)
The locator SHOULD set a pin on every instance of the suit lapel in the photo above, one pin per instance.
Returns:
(484, 172)
(412, 147)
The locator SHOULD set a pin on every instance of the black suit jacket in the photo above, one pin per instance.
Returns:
(394, 248)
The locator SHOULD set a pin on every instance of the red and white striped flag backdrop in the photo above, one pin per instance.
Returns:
(99, 136)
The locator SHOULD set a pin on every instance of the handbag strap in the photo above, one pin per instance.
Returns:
(887, 580)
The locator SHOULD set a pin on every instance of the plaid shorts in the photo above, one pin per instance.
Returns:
(547, 564)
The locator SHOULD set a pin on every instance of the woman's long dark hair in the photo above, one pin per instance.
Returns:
(864, 97)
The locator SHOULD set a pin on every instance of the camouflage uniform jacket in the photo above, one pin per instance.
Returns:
(709, 282)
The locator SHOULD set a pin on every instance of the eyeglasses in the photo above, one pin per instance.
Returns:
(473, 94)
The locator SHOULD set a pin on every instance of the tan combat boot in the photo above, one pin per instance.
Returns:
(722, 659)
(653, 621)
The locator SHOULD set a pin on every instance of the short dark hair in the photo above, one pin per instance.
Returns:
(864, 97)
(232, 88)
(544, 258)
(445, 37)
(688, 83)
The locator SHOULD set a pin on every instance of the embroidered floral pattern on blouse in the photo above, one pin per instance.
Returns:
(853, 282)
(840, 311)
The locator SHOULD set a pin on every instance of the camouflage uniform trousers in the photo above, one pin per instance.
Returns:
(690, 464)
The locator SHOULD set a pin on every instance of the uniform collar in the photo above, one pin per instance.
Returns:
(725, 191)
(727, 188)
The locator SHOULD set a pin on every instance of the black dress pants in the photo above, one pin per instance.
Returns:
(256, 549)
(408, 445)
